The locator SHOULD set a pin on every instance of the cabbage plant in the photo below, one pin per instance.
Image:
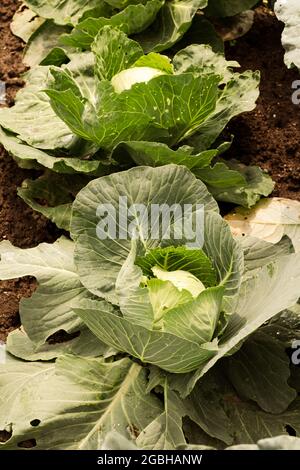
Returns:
(114, 90)
(149, 98)
(150, 110)
(157, 328)
(115, 107)
(170, 298)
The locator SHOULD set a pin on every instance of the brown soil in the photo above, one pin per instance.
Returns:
(11, 292)
(18, 223)
(270, 135)
(11, 66)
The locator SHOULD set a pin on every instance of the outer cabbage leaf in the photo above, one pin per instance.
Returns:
(63, 12)
(115, 441)
(243, 421)
(201, 31)
(271, 443)
(33, 119)
(173, 21)
(227, 181)
(269, 220)
(114, 52)
(50, 309)
(86, 396)
(248, 422)
(25, 22)
(42, 43)
(30, 157)
(81, 343)
(165, 432)
(266, 293)
(133, 19)
(158, 154)
(258, 253)
(252, 376)
(202, 59)
(238, 96)
(52, 195)
(289, 13)
(285, 327)
(231, 181)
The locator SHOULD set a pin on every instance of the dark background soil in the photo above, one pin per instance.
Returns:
(269, 137)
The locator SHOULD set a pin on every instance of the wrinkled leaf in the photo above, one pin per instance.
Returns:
(123, 335)
(31, 157)
(86, 396)
(269, 220)
(165, 432)
(172, 22)
(269, 291)
(82, 343)
(133, 19)
(32, 117)
(25, 22)
(259, 371)
(50, 308)
(52, 195)
(231, 181)
(42, 43)
(62, 11)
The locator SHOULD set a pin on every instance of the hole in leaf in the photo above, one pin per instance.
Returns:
(32, 19)
(291, 431)
(133, 431)
(61, 336)
(5, 435)
(35, 422)
(28, 444)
